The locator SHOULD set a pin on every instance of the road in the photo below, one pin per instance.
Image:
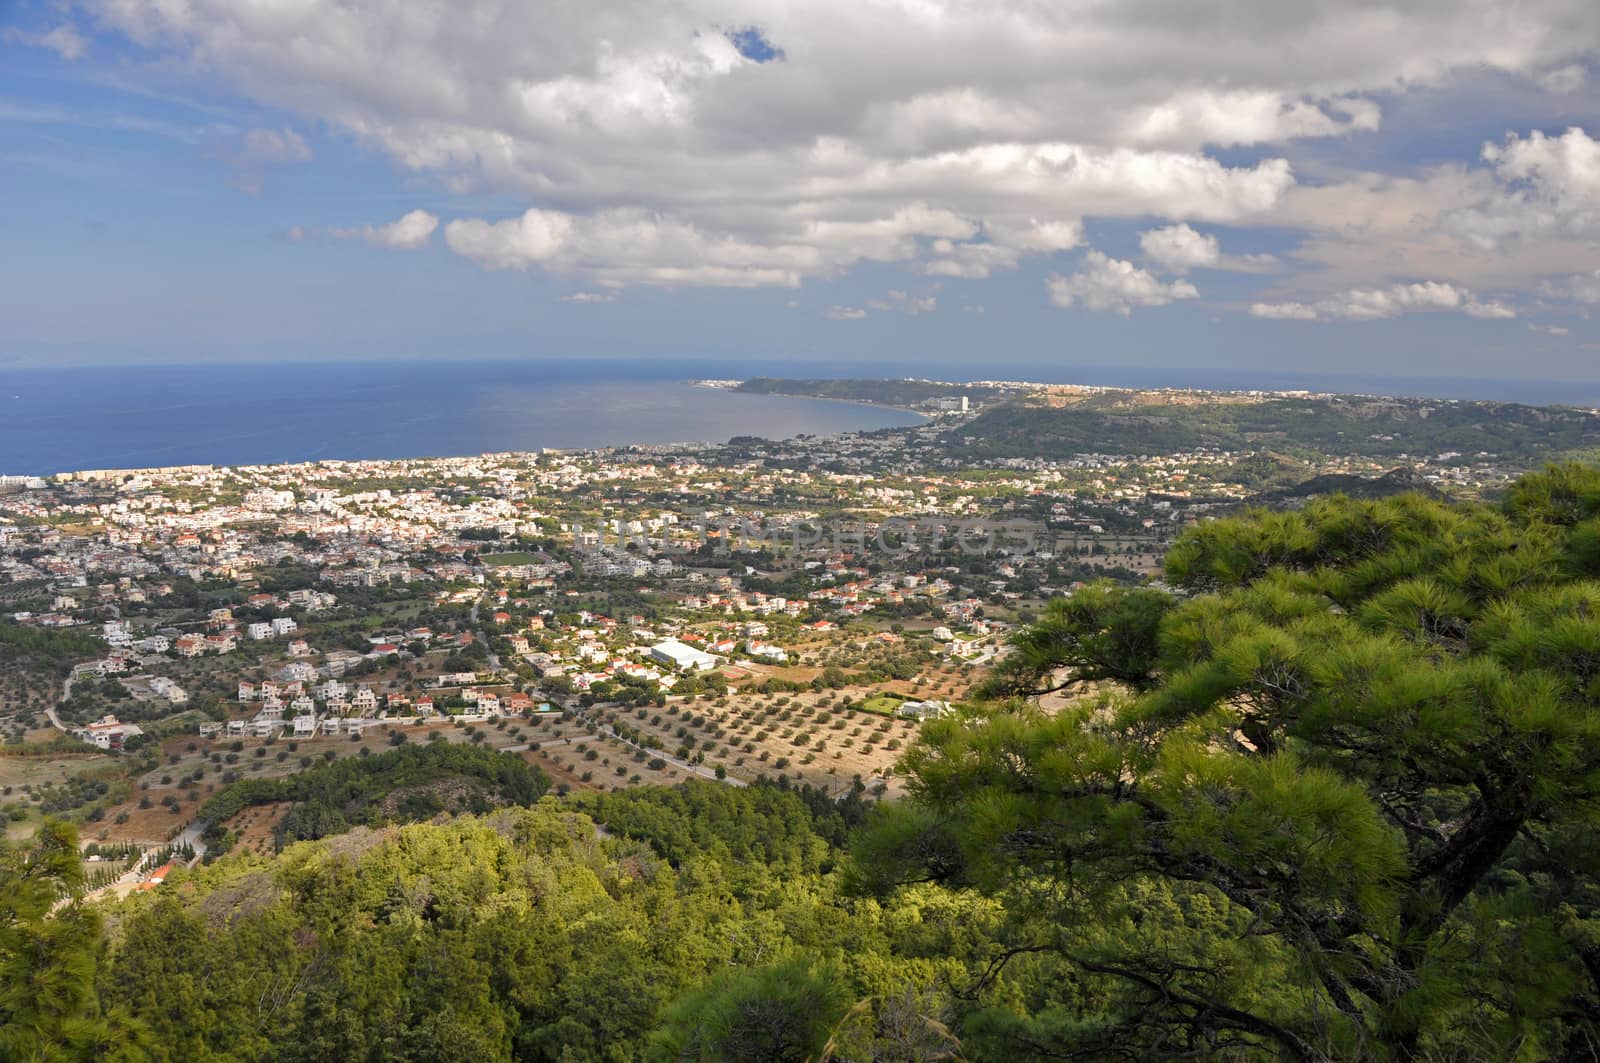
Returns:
(50, 710)
(694, 769)
(494, 659)
(192, 835)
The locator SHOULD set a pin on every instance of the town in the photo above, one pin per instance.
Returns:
(741, 611)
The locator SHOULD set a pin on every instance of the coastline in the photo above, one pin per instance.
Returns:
(238, 418)
(720, 385)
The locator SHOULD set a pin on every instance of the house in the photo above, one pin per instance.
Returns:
(299, 648)
(108, 732)
(517, 703)
(424, 706)
(259, 631)
(157, 877)
(304, 726)
(302, 705)
(247, 691)
(190, 646)
(298, 672)
(924, 710)
(210, 729)
(237, 728)
(225, 642)
(766, 651)
(488, 703)
(364, 700)
(283, 625)
(163, 687)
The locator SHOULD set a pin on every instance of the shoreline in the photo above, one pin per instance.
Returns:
(719, 385)
(13, 477)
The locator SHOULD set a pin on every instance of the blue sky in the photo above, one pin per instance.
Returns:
(1335, 188)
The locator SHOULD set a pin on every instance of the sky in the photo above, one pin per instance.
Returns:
(1405, 189)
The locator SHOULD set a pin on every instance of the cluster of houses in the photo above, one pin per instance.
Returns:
(333, 707)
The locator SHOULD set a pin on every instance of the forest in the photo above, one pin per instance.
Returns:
(1326, 792)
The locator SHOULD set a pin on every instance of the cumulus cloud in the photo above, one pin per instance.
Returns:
(1545, 185)
(1373, 304)
(784, 145)
(1104, 283)
(1179, 248)
(406, 233)
(64, 40)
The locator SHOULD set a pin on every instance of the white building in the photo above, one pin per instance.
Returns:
(682, 657)
(924, 710)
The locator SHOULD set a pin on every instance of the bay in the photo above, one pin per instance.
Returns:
(57, 420)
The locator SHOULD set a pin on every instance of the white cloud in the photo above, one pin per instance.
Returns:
(1547, 185)
(844, 313)
(406, 233)
(905, 303)
(1105, 283)
(275, 145)
(1580, 287)
(1284, 311)
(1564, 80)
(953, 138)
(1179, 248)
(1549, 330)
(1373, 304)
(590, 297)
(1492, 310)
(64, 40)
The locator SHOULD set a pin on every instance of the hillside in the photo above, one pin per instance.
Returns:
(1384, 428)
(401, 786)
(1326, 793)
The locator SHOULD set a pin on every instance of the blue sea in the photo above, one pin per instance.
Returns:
(58, 420)
(130, 416)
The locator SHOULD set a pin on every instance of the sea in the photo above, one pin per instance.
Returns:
(58, 420)
(139, 416)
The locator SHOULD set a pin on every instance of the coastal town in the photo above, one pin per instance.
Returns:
(740, 611)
